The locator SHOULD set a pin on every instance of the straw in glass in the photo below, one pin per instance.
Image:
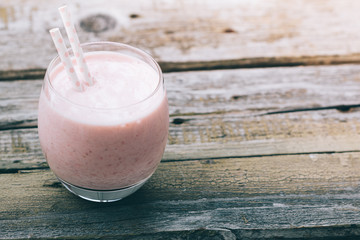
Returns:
(65, 58)
(75, 44)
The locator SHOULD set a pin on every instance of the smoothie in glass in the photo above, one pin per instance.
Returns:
(104, 142)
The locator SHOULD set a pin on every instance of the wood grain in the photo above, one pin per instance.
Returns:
(244, 91)
(263, 153)
(267, 196)
(217, 136)
(266, 32)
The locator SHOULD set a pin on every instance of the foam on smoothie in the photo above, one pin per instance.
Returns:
(120, 81)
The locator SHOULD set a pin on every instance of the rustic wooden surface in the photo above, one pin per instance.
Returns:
(188, 34)
(253, 152)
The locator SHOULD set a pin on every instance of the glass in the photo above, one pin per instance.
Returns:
(105, 153)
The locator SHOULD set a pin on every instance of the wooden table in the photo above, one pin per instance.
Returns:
(264, 138)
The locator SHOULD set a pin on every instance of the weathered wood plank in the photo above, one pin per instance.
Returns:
(217, 136)
(266, 196)
(245, 91)
(262, 90)
(187, 32)
(18, 103)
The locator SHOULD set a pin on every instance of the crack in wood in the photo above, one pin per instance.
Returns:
(340, 108)
(208, 159)
(21, 170)
(18, 126)
(28, 74)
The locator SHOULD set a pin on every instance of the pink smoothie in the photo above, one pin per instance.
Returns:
(113, 134)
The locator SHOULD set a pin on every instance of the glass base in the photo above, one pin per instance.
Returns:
(103, 195)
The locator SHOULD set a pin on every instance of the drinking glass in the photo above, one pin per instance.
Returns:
(103, 154)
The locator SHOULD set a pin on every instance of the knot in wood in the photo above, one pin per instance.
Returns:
(98, 23)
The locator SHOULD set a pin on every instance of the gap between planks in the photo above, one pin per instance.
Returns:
(263, 62)
(44, 165)
(177, 118)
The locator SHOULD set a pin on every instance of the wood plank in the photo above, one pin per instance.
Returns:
(188, 34)
(218, 136)
(245, 91)
(18, 103)
(275, 196)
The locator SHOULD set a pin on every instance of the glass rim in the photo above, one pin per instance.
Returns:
(139, 51)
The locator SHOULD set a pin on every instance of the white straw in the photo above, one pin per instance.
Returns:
(65, 58)
(75, 44)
